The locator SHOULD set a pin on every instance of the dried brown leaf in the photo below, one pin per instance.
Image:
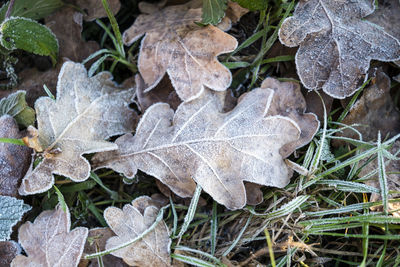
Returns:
(14, 159)
(217, 150)
(49, 242)
(163, 92)
(336, 45)
(87, 111)
(175, 44)
(375, 111)
(94, 8)
(153, 249)
(8, 251)
(96, 242)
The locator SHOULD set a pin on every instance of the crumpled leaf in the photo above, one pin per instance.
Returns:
(16, 106)
(8, 251)
(94, 8)
(11, 211)
(14, 159)
(87, 111)
(153, 249)
(49, 242)
(387, 16)
(176, 45)
(217, 150)
(375, 111)
(96, 242)
(336, 45)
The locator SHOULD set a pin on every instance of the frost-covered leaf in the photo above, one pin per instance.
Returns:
(374, 112)
(336, 45)
(16, 106)
(28, 35)
(175, 44)
(217, 150)
(33, 9)
(94, 8)
(8, 251)
(387, 16)
(213, 11)
(11, 211)
(87, 111)
(49, 242)
(14, 159)
(130, 222)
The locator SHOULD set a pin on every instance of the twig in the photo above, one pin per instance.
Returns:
(9, 9)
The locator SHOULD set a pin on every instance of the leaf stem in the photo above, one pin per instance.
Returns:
(9, 9)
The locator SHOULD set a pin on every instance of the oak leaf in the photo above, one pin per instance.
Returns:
(87, 111)
(49, 242)
(217, 150)
(14, 159)
(153, 249)
(176, 45)
(94, 8)
(336, 45)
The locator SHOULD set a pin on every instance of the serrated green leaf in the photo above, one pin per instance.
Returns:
(28, 35)
(16, 106)
(11, 211)
(213, 11)
(253, 5)
(33, 9)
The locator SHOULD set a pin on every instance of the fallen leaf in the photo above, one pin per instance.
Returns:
(375, 112)
(314, 103)
(14, 159)
(153, 249)
(387, 16)
(87, 111)
(49, 242)
(66, 24)
(94, 8)
(175, 44)
(163, 92)
(288, 101)
(8, 251)
(217, 150)
(11, 211)
(96, 242)
(336, 45)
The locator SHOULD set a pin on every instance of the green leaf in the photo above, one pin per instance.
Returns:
(213, 11)
(11, 211)
(16, 106)
(253, 5)
(28, 35)
(33, 9)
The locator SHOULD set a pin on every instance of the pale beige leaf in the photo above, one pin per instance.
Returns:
(175, 44)
(336, 45)
(48, 241)
(153, 249)
(87, 111)
(217, 150)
